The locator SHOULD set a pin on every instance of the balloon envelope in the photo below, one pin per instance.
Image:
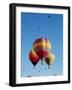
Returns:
(33, 57)
(49, 59)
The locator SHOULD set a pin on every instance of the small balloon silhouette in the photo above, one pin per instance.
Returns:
(49, 16)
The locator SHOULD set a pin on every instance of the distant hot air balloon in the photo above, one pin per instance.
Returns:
(49, 59)
(41, 46)
(33, 57)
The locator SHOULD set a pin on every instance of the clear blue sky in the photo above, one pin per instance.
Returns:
(36, 25)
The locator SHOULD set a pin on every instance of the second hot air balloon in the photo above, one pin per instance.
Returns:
(33, 57)
(49, 59)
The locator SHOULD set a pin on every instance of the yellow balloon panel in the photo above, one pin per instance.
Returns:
(43, 44)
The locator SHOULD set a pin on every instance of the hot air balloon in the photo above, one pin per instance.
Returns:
(41, 46)
(49, 59)
(33, 57)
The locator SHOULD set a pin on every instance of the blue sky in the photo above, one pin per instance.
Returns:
(36, 25)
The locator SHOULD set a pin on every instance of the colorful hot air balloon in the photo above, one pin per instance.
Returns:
(33, 57)
(49, 59)
(41, 46)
